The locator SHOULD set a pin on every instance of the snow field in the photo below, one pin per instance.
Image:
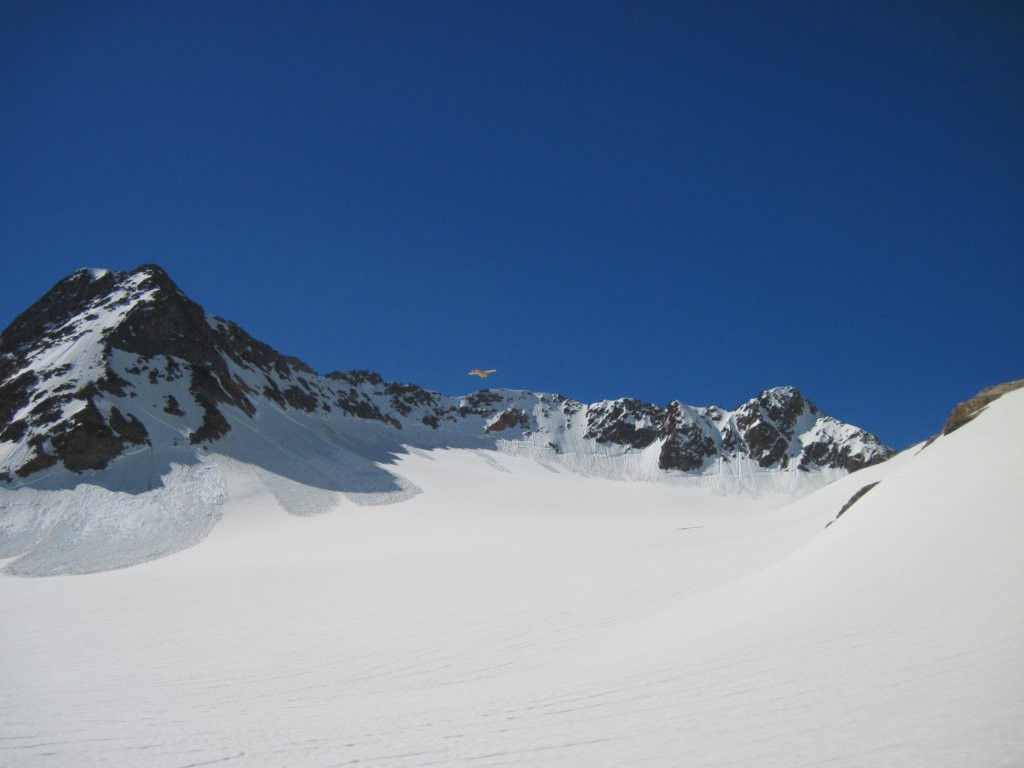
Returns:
(514, 615)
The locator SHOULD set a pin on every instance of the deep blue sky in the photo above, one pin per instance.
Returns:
(661, 200)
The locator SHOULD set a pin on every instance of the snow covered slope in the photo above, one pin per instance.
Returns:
(122, 402)
(515, 613)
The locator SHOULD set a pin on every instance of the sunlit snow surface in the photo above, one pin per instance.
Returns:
(512, 614)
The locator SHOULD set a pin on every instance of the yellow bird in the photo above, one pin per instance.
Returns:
(482, 374)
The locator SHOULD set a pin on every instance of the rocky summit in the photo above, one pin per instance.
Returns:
(109, 365)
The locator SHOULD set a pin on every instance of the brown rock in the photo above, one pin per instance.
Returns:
(967, 410)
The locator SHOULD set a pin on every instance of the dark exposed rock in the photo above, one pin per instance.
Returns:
(431, 421)
(246, 351)
(480, 403)
(60, 370)
(845, 460)
(509, 419)
(783, 406)
(40, 460)
(271, 392)
(113, 384)
(624, 433)
(405, 397)
(15, 395)
(54, 309)
(207, 388)
(826, 454)
(357, 404)
(172, 325)
(172, 370)
(617, 422)
(128, 427)
(300, 400)
(765, 443)
(730, 439)
(14, 431)
(357, 378)
(766, 424)
(86, 441)
(48, 410)
(855, 498)
(686, 446)
(715, 414)
(679, 455)
(214, 424)
(167, 324)
(820, 454)
(172, 407)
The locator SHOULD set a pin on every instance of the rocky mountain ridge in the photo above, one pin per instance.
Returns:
(109, 364)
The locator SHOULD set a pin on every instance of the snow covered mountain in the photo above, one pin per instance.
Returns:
(122, 402)
(111, 365)
(522, 606)
(511, 615)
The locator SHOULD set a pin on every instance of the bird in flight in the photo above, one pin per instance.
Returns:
(482, 374)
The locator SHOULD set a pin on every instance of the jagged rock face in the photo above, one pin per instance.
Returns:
(44, 401)
(625, 422)
(113, 362)
(510, 419)
(777, 420)
(766, 424)
(46, 320)
(688, 443)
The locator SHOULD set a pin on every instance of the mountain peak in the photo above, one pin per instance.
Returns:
(154, 276)
(91, 273)
(786, 392)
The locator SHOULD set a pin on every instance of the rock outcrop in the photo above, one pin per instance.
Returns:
(967, 410)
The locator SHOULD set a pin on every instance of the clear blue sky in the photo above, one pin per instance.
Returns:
(661, 200)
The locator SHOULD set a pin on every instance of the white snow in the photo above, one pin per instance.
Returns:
(94, 273)
(92, 528)
(75, 352)
(512, 615)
